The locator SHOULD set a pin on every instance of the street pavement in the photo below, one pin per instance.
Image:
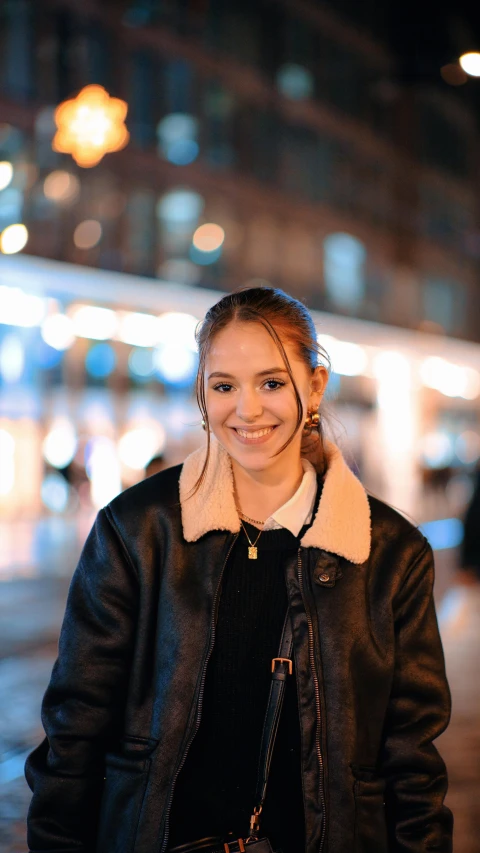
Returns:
(34, 580)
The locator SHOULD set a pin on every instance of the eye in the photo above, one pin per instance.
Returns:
(221, 386)
(276, 382)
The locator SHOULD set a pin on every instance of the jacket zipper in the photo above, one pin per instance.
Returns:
(317, 698)
(200, 695)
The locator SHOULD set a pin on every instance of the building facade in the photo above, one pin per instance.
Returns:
(282, 122)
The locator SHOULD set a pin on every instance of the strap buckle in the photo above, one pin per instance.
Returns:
(282, 660)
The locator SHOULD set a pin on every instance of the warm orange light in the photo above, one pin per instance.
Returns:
(90, 126)
(208, 237)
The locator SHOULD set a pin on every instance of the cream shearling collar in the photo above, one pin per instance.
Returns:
(341, 525)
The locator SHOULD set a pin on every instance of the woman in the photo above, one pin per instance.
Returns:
(156, 706)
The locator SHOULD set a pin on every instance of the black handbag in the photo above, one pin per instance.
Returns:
(281, 669)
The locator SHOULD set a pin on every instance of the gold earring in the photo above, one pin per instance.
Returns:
(204, 426)
(312, 421)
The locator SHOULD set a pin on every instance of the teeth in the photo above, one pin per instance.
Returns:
(256, 434)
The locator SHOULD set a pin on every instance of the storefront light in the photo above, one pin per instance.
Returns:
(451, 380)
(90, 321)
(347, 359)
(139, 330)
(18, 308)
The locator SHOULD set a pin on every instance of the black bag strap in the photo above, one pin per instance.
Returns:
(281, 669)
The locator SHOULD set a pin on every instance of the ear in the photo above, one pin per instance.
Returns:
(318, 384)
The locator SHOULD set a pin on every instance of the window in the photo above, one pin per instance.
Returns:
(343, 268)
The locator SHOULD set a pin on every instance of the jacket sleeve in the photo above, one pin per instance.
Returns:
(83, 702)
(419, 711)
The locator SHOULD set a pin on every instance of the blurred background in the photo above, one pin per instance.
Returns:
(155, 154)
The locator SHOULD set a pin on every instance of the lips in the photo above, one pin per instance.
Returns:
(250, 436)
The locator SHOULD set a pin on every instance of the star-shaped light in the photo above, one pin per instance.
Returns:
(90, 126)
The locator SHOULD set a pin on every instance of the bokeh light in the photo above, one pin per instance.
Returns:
(87, 234)
(437, 449)
(347, 359)
(60, 443)
(6, 174)
(140, 330)
(90, 126)
(175, 364)
(61, 186)
(103, 469)
(13, 238)
(452, 380)
(12, 358)
(295, 82)
(453, 74)
(177, 138)
(46, 356)
(57, 331)
(180, 207)
(467, 447)
(177, 328)
(55, 492)
(18, 308)
(100, 361)
(137, 446)
(470, 63)
(140, 364)
(208, 237)
(7, 468)
(90, 321)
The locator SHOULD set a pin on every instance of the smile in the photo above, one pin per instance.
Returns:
(253, 436)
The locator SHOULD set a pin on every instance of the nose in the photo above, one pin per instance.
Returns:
(249, 406)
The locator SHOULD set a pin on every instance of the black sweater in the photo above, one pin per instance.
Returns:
(215, 790)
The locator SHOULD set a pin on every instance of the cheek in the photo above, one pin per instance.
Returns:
(217, 405)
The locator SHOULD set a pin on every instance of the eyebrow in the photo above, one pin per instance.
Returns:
(220, 374)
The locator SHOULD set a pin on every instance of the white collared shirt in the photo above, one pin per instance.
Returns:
(297, 511)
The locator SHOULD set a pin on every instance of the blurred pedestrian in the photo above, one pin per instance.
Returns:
(258, 572)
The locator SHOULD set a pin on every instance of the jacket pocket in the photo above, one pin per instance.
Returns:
(370, 822)
(126, 777)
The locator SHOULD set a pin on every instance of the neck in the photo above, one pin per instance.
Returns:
(259, 493)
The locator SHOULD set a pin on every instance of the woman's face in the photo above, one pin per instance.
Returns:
(250, 398)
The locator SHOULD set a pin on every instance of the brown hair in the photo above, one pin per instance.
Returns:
(275, 310)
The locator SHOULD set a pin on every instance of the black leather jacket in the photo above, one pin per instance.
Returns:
(125, 696)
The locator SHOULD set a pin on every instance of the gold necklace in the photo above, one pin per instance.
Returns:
(252, 549)
(247, 517)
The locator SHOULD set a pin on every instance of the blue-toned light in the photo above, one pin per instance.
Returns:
(101, 361)
(182, 152)
(333, 386)
(55, 492)
(443, 533)
(175, 364)
(204, 258)
(177, 138)
(47, 356)
(140, 364)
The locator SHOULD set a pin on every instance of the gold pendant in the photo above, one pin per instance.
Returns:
(252, 552)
